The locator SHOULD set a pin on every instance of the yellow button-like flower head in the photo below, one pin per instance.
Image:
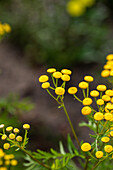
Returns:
(86, 147)
(108, 116)
(19, 138)
(86, 110)
(6, 27)
(107, 67)
(100, 102)
(99, 154)
(106, 98)
(88, 3)
(26, 126)
(4, 136)
(59, 90)
(66, 71)
(43, 78)
(1, 153)
(14, 162)
(109, 57)
(105, 73)
(9, 128)
(94, 93)
(83, 85)
(109, 93)
(108, 148)
(2, 126)
(51, 70)
(101, 88)
(45, 85)
(16, 130)
(87, 101)
(11, 136)
(72, 90)
(111, 133)
(57, 74)
(105, 139)
(65, 77)
(7, 162)
(6, 146)
(88, 78)
(98, 116)
(111, 72)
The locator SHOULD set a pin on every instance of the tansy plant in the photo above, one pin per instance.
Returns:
(93, 155)
(4, 29)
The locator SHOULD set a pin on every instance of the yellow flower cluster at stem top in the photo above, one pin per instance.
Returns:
(78, 7)
(4, 28)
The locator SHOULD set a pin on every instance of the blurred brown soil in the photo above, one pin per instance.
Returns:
(49, 124)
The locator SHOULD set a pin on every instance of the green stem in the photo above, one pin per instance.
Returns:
(88, 90)
(76, 138)
(77, 98)
(84, 93)
(25, 138)
(56, 82)
(53, 80)
(53, 96)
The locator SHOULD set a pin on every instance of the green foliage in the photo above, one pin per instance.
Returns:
(46, 33)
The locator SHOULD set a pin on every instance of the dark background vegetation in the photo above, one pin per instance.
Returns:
(44, 35)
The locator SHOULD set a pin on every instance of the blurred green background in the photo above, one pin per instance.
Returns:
(47, 34)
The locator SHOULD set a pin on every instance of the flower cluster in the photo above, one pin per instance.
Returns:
(78, 7)
(7, 160)
(11, 135)
(108, 67)
(4, 29)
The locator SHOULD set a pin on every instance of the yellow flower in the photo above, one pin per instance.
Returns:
(2, 126)
(65, 77)
(98, 116)
(57, 74)
(105, 139)
(59, 90)
(112, 100)
(3, 168)
(7, 27)
(10, 156)
(108, 148)
(109, 106)
(111, 133)
(100, 102)
(19, 138)
(26, 126)
(111, 72)
(7, 162)
(108, 116)
(1, 153)
(109, 93)
(105, 73)
(86, 147)
(87, 101)
(51, 70)
(101, 87)
(75, 8)
(88, 78)
(1, 29)
(88, 3)
(106, 98)
(9, 128)
(6, 146)
(43, 78)
(83, 85)
(86, 110)
(14, 162)
(99, 154)
(45, 85)
(72, 90)
(1, 162)
(66, 71)
(4, 136)
(110, 63)
(11, 136)
(107, 67)
(94, 93)
(16, 130)
(109, 57)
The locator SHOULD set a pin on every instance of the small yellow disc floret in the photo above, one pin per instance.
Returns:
(57, 74)
(105, 139)
(108, 148)
(94, 93)
(86, 147)
(105, 73)
(98, 116)
(65, 77)
(59, 90)
(100, 102)
(106, 98)
(6, 146)
(4, 136)
(45, 85)
(108, 116)
(87, 101)
(11, 136)
(86, 110)
(14, 162)
(9, 129)
(66, 71)
(83, 85)
(109, 57)
(2, 126)
(43, 78)
(109, 93)
(26, 126)
(99, 154)
(88, 78)
(51, 70)
(101, 88)
(19, 138)
(72, 90)
(16, 130)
